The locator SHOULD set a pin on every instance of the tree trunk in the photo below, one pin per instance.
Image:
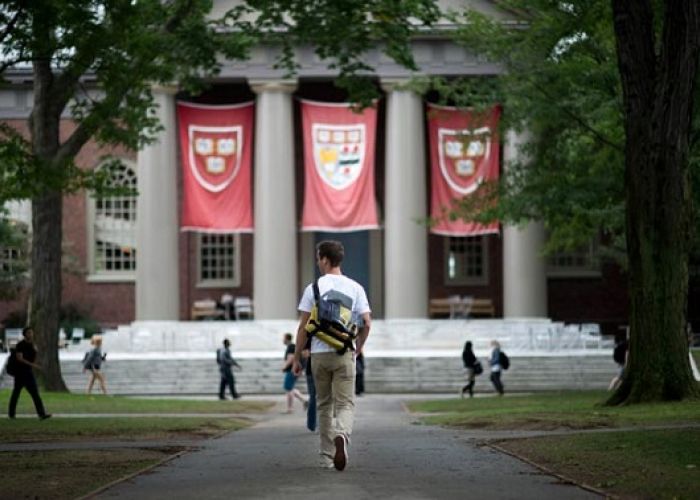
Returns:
(658, 97)
(47, 213)
(47, 231)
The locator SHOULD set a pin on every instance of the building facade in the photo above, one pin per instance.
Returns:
(126, 258)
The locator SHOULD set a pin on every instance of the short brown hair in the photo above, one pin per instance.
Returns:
(333, 250)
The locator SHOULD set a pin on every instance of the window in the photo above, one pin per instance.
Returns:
(113, 229)
(219, 262)
(580, 262)
(466, 260)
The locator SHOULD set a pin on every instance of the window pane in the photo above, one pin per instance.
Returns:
(217, 258)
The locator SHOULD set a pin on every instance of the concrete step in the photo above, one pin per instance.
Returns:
(382, 375)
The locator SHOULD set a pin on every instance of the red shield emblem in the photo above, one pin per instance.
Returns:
(215, 155)
(464, 156)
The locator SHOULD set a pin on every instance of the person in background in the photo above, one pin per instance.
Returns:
(290, 378)
(495, 363)
(226, 364)
(620, 357)
(93, 362)
(359, 374)
(469, 360)
(24, 376)
(310, 387)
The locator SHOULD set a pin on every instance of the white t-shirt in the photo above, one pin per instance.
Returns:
(340, 283)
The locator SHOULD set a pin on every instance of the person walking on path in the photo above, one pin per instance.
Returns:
(226, 364)
(334, 371)
(620, 357)
(93, 362)
(495, 363)
(470, 365)
(290, 377)
(359, 374)
(310, 387)
(24, 376)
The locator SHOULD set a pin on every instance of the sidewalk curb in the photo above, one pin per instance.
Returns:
(544, 469)
(107, 486)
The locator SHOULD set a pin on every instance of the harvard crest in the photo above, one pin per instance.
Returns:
(215, 155)
(463, 153)
(339, 153)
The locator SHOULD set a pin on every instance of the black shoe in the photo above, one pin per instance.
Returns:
(340, 458)
(45, 416)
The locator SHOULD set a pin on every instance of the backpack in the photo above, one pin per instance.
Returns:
(331, 320)
(12, 363)
(218, 356)
(503, 360)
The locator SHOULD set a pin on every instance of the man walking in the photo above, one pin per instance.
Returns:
(333, 367)
(226, 363)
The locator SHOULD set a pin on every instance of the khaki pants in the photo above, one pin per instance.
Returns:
(334, 377)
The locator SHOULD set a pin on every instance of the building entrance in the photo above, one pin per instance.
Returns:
(356, 262)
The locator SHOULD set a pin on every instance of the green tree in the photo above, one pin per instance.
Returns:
(606, 90)
(97, 61)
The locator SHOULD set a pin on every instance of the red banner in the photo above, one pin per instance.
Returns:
(338, 167)
(216, 144)
(464, 152)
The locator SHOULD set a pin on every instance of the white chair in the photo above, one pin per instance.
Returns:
(456, 306)
(78, 335)
(590, 335)
(467, 302)
(243, 306)
(12, 337)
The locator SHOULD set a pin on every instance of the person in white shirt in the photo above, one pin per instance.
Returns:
(334, 374)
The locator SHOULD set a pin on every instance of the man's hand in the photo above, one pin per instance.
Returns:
(297, 368)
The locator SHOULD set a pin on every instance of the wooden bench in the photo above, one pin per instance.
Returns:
(206, 309)
(455, 306)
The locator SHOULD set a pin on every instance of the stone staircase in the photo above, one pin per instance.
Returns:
(198, 375)
(402, 356)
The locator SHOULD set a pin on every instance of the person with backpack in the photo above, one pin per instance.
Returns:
(226, 364)
(335, 311)
(92, 362)
(290, 378)
(620, 357)
(473, 368)
(496, 362)
(25, 356)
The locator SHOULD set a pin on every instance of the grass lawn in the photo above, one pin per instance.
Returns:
(71, 473)
(635, 464)
(114, 428)
(547, 411)
(61, 402)
(631, 464)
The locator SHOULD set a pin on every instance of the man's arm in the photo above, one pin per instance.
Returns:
(363, 333)
(21, 359)
(300, 342)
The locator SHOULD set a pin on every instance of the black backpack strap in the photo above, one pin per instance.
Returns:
(317, 294)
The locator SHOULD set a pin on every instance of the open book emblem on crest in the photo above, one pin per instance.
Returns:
(215, 155)
(462, 154)
(339, 153)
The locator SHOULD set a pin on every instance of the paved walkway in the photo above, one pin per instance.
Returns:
(390, 458)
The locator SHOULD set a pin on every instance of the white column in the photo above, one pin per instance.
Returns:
(157, 272)
(276, 289)
(406, 239)
(524, 268)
